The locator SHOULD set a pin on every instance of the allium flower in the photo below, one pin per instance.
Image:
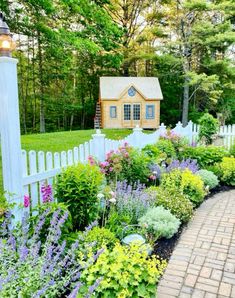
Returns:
(26, 201)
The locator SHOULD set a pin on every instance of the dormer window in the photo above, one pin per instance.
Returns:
(131, 91)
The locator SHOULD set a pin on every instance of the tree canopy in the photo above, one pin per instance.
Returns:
(64, 46)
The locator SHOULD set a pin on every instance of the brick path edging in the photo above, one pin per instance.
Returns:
(203, 262)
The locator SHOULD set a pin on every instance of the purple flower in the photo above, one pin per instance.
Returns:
(75, 290)
(46, 191)
(190, 164)
(26, 201)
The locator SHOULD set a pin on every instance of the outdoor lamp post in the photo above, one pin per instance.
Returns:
(7, 45)
(9, 120)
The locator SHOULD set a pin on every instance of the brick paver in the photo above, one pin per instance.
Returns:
(203, 262)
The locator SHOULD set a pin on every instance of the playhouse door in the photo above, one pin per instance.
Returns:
(131, 115)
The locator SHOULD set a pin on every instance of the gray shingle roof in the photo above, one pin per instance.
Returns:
(113, 87)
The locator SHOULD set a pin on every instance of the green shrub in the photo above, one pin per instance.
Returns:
(78, 187)
(166, 147)
(127, 164)
(209, 178)
(208, 127)
(152, 151)
(232, 150)
(227, 167)
(205, 156)
(192, 187)
(116, 222)
(159, 222)
(185, 182)
(102, 237)
(136, 169)
(175, 201)
(125, 272)
(215, 169)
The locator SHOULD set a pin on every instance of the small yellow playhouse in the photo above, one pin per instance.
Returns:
(125, 102)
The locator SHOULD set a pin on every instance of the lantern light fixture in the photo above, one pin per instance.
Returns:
(7, 45)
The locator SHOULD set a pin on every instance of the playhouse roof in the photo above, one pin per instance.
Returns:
(113, 87)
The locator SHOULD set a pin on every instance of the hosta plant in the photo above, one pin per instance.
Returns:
(159, 222)
(30, 269)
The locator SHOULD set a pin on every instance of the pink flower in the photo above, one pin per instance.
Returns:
(46, 191)
(91, 160)
(26, 201)
(110, 169)
(126, 154)
(152, 177)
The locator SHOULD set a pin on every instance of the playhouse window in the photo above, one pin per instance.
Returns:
(136, 112)
(150, 111)
(127, 112)
(113, 112)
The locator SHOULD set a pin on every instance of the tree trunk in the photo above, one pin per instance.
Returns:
(185, 95)
(42, 106)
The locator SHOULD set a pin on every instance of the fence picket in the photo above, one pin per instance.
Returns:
(75, 155)
(25, 173)
(63, 156)
(33, 171)
(70, 157)
(81, 153)
(41, 169)
(49, 165)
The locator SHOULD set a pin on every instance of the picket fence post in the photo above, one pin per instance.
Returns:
(10, 133)
(137, 136)
(99, 145)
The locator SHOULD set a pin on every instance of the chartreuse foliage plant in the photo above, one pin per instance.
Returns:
(227, 167)
(30, 268)
(209, 178)
(159, 222)
(102, 237)
(192, 187)
(205, 156)
(126, 272)
(77, 187)
(173, 200)
(208, 127)
(185, 182)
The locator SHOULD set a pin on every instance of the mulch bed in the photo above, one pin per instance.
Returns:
(164, 247)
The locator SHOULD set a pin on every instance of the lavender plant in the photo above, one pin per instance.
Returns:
(31, 269)
(132, 201)
(190, 164)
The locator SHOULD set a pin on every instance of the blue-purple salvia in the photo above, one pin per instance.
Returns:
(190, 164)
(40, 269)
(133, 201)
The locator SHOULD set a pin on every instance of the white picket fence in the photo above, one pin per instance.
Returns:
(42, 167)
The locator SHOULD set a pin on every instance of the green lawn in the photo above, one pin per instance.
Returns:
(60, 141)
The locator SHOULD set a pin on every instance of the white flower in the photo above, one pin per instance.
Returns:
(113, 200)
(113, 194)
(100, 196)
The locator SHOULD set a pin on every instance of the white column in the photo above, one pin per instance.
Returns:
(99, 145)
(10, 132)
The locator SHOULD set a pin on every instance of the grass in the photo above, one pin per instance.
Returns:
(59, 141)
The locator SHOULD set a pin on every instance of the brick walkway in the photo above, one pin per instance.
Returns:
(203, 262)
